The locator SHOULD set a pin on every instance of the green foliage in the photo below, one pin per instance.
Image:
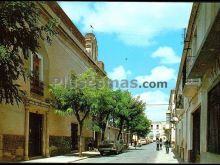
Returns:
(140, 125)
(20, 33)
(74, 98)
(129, 114)
(79, 97)
(85, 95)
(106, 104)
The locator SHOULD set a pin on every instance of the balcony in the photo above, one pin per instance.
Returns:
(36, 86)
(179, 105)
(208, 47)
(191, 87)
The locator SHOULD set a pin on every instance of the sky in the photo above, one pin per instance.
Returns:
(140, 41)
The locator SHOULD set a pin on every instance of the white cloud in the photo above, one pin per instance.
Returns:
(134, 23)
(159, 73)
(75, 11)
(153, 99)
(119, 73)
(167, 55)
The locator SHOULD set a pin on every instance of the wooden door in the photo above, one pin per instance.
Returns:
(35, 134)
(196, 135)
(74, 136)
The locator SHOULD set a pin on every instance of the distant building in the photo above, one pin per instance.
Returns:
(157, 130)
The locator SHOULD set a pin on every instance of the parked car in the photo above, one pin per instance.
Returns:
(149, 140)
(139, 143)
(143, 141)
(111, 147)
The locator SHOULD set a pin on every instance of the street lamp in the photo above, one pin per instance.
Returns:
(168, 116)
(174, 120)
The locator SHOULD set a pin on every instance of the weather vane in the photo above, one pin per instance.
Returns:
(91, 28)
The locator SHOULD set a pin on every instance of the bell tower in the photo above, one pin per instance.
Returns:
(91, 46)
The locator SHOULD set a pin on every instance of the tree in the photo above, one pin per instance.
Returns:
(20, 33)
(121, 111)
(105, 106)
(129, 114)
(140, 125)
(78, 97)
(137, 108)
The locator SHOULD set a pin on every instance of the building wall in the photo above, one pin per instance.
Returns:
(159, 131)
(65, 53)
(203, 23)
(11, 131)
(111, 133)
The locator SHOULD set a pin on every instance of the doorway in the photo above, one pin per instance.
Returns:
(35, 134)
(74, 136)
(196, 136)
(96, 139)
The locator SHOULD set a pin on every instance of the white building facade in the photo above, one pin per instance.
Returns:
(157, 130)
(198, 87)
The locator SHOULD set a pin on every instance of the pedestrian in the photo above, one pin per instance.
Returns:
(158, 144)
(167, 145)
(161, 144)
(135, 143)
(90, 145)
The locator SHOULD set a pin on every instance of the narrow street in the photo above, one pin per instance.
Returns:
(144, 154)
(78, 80)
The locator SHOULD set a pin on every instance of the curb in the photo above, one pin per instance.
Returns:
(77, 160)
(82, 158)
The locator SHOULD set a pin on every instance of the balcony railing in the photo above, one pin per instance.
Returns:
(189, 63)
(191, 87)
(36, 86)
(179, 102)
(179, 105)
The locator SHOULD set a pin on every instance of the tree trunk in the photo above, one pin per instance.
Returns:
(104, 127)
(103, 135)
(80, 138)
(121, 126)
(131, 138)
(103, 132)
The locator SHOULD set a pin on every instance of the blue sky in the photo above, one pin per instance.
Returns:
(137, 40)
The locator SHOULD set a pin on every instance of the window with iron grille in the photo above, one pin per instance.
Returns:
(213, 134)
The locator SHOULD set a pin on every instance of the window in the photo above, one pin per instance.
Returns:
(213, 132)
(151, 126)
(157, 126)
(37, 66)
(36, 84)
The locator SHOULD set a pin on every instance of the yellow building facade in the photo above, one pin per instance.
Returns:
(33, 128)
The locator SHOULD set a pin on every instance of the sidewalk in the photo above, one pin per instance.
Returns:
(64, 158)
(163, 157)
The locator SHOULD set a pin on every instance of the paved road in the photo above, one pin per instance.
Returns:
(144, 154)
